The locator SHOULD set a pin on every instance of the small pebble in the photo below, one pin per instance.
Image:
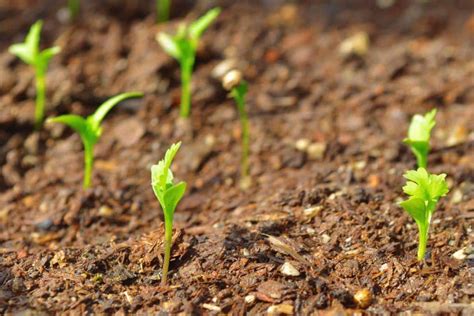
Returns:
(282, 309)
(363, 298)
(211, 307)
(325, 238)
(288, 269)
(383, 267)
(105, 211)
(463, 253)
(312, 211)
(250, 299)
(302, 144)
(316, 151)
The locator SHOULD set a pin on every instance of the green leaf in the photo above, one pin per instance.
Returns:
(28, 50)
(76, 122)
(105, 107)
(169, 45)
(162, 177)
(416, 207)
(172, 196)
(199, 26)
(421, 126)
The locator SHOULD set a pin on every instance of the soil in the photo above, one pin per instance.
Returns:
(318, 232)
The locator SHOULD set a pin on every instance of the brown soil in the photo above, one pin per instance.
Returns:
(334, 218)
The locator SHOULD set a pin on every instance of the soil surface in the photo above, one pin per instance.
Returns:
(318, 232)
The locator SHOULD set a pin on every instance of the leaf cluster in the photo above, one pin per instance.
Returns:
(424, 191)
(419, 134)
(184, 43)
(89, 128)
(167, 192)
(29, 50)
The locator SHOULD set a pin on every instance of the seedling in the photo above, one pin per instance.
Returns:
(163, 10)
(29, 52)
(424, 191)
(182, 47)
(238, 89)
(89, 129)
(419, 136)
(168, 194)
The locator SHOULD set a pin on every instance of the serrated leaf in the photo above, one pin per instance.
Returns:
(169, 45)
(200, 25)
(416, 207)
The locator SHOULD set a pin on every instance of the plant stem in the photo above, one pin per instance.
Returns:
(88, 161)
(423, 240)
(168, 244)
(244, 124)
(421, 159)
(73, 6)
(40, 99)
(186, 71)
(162, 10)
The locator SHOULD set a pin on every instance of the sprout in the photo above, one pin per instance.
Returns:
(162, 10)
(238, 89)
(419, 136)
(30, 53)
(89, 129)
(424, 190)
(73, 7)
(168, 194)
(182, 47)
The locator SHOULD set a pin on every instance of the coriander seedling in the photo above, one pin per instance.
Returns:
(89, 129)
(182, 47)
(424, 191)
(419, 136)
(168, 194)
(238, 88)
(29, 52)
(162, 10)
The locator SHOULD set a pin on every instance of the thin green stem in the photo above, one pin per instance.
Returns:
(423, 240)
(162, 10)
(244, 124)
(73, 6)
(186, 72)
(40, 99)
(421, 159)
(88, 162)
(167, 246)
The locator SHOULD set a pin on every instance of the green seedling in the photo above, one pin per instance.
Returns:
(182, 47)
(162, 10)
(73, 7)
(419, 134)
(424, 191)
(29, 52)
(89, 129)
(168, 194)
(238, 88)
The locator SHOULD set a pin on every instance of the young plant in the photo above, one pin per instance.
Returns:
(168, 194)
(163, 10)
(182, 47)
(424, 191)
(29, 52)
(238, 88)
(89, 129)
(419, 136)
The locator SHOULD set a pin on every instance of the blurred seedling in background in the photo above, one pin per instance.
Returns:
(424, 191)
(73, 8)
(29, 52)
(163, 10)
(168, 194)
(89, 129)
(233, 82)
(419, 134)
(182, 46)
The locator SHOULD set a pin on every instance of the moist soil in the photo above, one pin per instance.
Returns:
(319, 231)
